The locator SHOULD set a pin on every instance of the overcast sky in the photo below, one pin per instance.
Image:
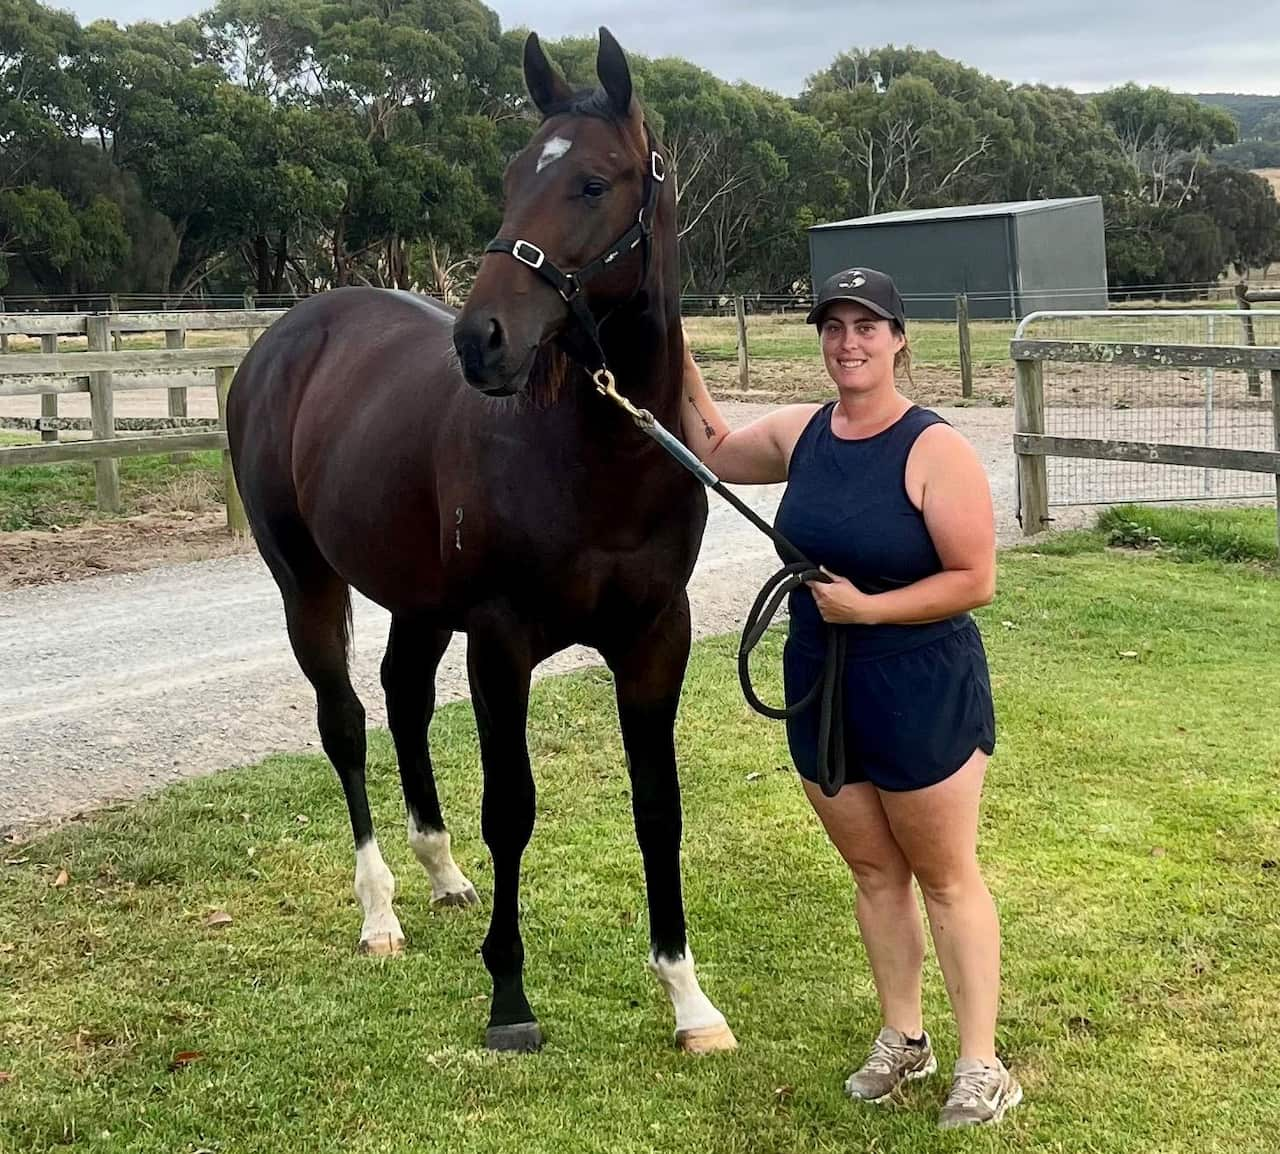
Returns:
(1186, 45)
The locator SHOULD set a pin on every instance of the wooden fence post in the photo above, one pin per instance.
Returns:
(48, 401)
(1028, 417)
(251, 303)
(1275, 426)
(4, 337)
(114, 309)
(1242, 302)
(744, 373)
(237, 522)
(106, 471)
(966, 359)
(177, 339)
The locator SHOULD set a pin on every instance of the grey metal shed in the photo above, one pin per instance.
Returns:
(1010, 258)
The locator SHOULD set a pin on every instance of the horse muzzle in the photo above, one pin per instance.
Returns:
(486, 357)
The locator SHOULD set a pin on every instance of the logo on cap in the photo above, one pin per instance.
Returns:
(857, 281)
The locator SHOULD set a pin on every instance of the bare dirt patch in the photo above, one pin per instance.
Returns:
(123, 545)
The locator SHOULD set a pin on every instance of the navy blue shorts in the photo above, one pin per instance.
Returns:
(911, 719)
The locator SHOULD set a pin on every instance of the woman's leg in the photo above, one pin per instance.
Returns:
(886, 903)
(937, 830)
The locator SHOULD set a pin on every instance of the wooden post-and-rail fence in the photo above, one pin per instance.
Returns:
(106, 368)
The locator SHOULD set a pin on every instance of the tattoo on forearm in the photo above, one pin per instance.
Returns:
(706, 425)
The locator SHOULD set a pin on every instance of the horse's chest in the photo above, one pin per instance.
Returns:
(600, 579)
(617, 569)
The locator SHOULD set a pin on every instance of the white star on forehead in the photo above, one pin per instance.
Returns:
(553, 150)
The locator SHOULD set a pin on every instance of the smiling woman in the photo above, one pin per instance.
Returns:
(895, 506)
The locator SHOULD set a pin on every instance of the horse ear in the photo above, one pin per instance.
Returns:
(547, 87)
(614, 73)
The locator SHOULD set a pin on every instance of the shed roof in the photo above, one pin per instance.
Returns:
(957, 212)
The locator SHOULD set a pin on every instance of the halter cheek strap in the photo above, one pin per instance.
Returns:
(570, 285)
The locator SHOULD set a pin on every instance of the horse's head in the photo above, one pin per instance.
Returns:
(575, 238)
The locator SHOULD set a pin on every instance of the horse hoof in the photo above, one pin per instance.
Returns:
(521, 1038)
(382, 946)
(461, 900)
(706, 1039)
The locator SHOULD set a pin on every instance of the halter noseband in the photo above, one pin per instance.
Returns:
(570, 285)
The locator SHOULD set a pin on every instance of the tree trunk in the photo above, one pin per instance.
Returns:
(261, 265)
(339, 253)
(282, 254)
(398, 262)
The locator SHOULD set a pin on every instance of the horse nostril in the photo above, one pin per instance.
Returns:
(496, 336)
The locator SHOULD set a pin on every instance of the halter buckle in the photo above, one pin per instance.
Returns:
(571, 287)
(535, 256)
(657, 166)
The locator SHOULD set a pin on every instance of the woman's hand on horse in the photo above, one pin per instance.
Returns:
(840, 602)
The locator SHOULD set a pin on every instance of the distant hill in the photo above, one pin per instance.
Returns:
(1249, 110)
(1259, 119)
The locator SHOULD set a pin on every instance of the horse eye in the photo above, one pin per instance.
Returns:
(594, 189)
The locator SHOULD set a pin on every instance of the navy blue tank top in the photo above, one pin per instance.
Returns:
(846, 507)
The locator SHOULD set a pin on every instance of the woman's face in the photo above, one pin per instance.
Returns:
(858, 347)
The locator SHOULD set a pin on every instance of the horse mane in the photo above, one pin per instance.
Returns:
(548, 375)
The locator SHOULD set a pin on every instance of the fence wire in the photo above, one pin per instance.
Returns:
(1217, 408)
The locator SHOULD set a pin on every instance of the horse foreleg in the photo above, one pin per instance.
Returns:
(499, 666)
(648, 671)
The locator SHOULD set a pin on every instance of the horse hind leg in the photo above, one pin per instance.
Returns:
(413, 653)
(317, 611)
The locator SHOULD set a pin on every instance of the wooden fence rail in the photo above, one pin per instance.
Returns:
(106, 368)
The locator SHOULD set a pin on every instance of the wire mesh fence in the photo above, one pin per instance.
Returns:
(1210, 407)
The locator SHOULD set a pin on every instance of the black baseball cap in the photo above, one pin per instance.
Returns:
(862, 286)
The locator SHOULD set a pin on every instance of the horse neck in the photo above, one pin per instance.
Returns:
(644, 347)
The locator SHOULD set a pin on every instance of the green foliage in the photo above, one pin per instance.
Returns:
(1250, 154)
(1130, 534)
(1247, 214)
(293, 145)
(1233, 535)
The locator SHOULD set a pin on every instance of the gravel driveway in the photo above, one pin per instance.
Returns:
(120, 684)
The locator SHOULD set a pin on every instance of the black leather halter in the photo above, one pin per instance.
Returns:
(570, 285)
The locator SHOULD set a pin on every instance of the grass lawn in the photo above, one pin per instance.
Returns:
(1247, 534)
(1131, 836)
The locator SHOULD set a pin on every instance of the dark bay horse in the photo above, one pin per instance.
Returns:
(464, 473)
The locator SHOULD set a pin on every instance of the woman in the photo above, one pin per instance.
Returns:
(884, 494)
